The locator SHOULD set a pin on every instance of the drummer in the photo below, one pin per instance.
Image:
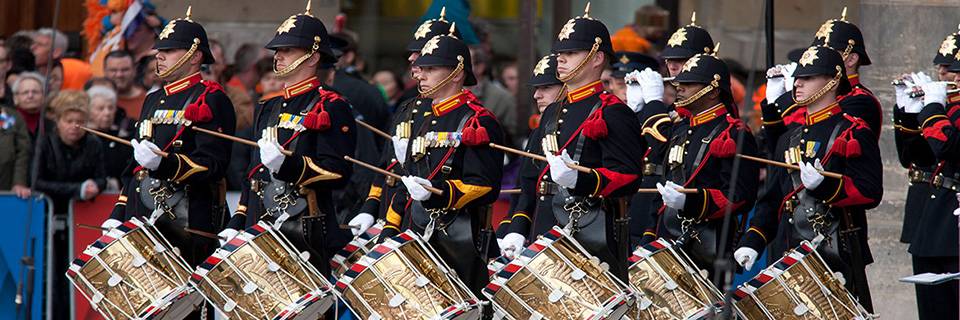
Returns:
(700, 156)
(196, 162)
(317, 126)
(547, 89)
(383, 189)
(797, 205)
(596, 129)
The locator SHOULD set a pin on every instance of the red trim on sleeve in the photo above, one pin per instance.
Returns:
(853, 195)
(721, 201)
(615, 180)
(936, 130)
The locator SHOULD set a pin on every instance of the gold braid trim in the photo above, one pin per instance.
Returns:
(826, 88)
(445, 81)
(579, 68)
(713, 84)
(296, 63)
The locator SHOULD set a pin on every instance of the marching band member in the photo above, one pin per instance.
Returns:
(383, 189)
(684, 43)
(596, 130)
(547, 89)
(317, 126)
(449, 151)
(796, 205)
(932, 120)
(182, 189)
(700, 156)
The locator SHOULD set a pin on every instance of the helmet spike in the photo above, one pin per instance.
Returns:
(309, 4)
(443, 13)
(453, 26)
(693, 18)
(586, 10)
(716, 49)
(189, 12)
(843, 14)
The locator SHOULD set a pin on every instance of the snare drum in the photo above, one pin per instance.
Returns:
(403, 278)
(798, 286)
(259, 275)
(356, 249)
(666, 275)
(133, 272)
(555, 278)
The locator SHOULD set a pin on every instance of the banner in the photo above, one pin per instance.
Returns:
(91, 213)
(25, 230)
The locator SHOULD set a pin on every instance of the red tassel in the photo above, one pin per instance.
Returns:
(595, 129)
(840, 146)
(729, 148)
(482, 136)
(469, 136)
(310, 121)
(716, 148)
(853, 148)
(198, 112)
(323, 120)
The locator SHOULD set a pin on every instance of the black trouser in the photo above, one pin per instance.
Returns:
(937, 301)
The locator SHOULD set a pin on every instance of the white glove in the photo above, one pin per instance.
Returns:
(270, 154)
(634, 91)
(400, 148)
(362, 222)
(652, 83)
(788, 75)
(560, 172)
(920, 78)
(108, 225)
(143, 152)
(226, 235)
(775, 87)
(415, 185)
(745, 257)
(902, 94)
(810, 174)
(83, 190)
(671, 197)
(512, 245)
(934, 92)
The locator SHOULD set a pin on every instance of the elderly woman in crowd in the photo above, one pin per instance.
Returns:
(28, 99)
(104, 117)
(15, 158)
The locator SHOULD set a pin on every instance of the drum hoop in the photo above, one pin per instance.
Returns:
(355, 244)
(378, 252)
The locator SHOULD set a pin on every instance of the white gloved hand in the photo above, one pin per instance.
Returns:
(144, 153)
(920, 78)
(934, 92)
(810, 174)
(415, 187)
(512, 245)
(108, 225)
(788, 78)
(270, 154)
(745, 257)
(671, 197)
(634, 91)
(560, 172)
(400, 148)
(226, 235)
(361, 222)
(652, 83)
(902, 94)
(775, 86)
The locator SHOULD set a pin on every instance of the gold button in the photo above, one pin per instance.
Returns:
(433, 122)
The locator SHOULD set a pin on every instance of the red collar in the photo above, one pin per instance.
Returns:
(854, 80)
(449, 104)
(301, 87)
(708, 115)
(182, 84)
(826, 113)
(585, 91)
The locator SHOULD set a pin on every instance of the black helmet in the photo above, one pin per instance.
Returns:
(706, 69)
(688, 41)
(820, 60)
(183, 33)
(304, 31)
(430, 28)
(626, 62)
(545, 73)
(842, 36)
(948, 50)
(582, 33)
(447, 51)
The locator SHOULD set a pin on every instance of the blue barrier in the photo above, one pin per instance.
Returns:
(15, 217)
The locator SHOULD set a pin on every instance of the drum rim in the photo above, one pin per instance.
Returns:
(390, 244)
(359, 241)
(108, 239)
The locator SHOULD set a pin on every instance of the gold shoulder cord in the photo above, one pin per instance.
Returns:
(183, 60)
(826, 88)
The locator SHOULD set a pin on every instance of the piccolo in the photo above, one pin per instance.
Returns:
(917, 92)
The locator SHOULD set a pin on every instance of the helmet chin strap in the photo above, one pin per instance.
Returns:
(576, 71)
(182, 61)
(826, 88)
(296, 63)
(696, 96)
(445, 81)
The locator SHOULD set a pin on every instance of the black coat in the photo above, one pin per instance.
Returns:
(63, 168)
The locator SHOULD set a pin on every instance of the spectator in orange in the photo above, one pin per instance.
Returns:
(650, 22)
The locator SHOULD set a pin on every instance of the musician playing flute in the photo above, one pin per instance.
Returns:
(797, 205)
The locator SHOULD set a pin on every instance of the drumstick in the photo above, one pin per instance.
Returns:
(388, 173)
(788, 166)
(654, 190)
(235, 139)
(117, 139)
(203, 234)
(510, 191)
(535, 156)
(90, 227)
(373, 129)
